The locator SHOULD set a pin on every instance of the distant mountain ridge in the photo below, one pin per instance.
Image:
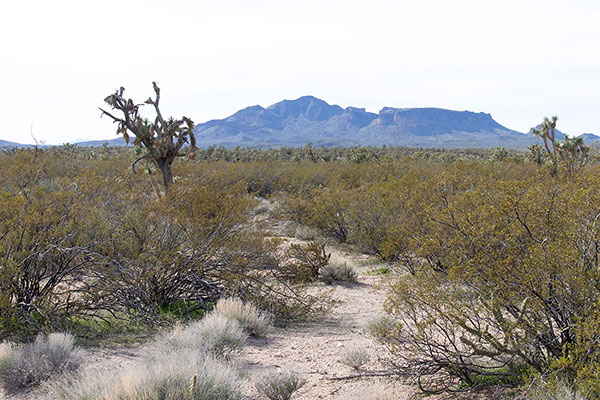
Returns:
(307, 119)
(6, 143)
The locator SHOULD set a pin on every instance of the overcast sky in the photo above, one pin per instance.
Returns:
(519, 60)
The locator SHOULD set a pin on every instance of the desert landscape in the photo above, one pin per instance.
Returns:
(283, 200)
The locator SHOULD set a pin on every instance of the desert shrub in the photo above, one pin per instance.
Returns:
(279, 386)
(214, 334)
(355, 358)
(305, 261)
(176, 376)
(554, 390)
(506, 281)
(288, 301)
(326, 209)
(379, 271)
(383, 327)
(251, 319)
(46, 251)
(179, 248)
(337, 273)
(305, 233)
(26, 365)
(372, 215)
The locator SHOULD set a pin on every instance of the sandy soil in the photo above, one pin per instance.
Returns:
(314, 349)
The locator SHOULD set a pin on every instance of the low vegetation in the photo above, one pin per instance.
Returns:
(279, 386)
(23, 366)
(355, 358)
(190, 362)
(494, 254)
(251, 319)
(333, 273)
(176, 375)
(215, 334)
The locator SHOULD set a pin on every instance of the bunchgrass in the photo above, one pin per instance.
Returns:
(27, 365)
(251, 319)
(355, 358)
(279, 386)
(177, 375)
(214, 334)
(332, 273)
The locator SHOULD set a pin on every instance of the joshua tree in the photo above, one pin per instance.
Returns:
(161, 141)
(570, 151)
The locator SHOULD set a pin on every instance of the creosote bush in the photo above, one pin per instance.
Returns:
(23, 366)
(305, 261)
(279, 386)
(82, 240)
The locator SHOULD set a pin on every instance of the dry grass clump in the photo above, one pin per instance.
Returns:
(355, 358)
(176, 376)
(382, 327)
(279, 386)
(306, 233)
(251, 319)
(188, 363)
(27, 365)
(332, 273)
(214, 334)
(555, 391)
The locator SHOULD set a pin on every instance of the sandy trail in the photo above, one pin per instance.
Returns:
(313, 349)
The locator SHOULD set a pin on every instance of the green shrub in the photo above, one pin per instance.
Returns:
(180, 309)
(305, 261)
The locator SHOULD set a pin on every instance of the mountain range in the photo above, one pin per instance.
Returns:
(308, 119)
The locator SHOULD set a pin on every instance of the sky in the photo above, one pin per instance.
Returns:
(519, 60)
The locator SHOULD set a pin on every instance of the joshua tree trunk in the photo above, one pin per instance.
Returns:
(167, 173)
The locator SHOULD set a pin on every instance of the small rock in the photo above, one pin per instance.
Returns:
(278, 354)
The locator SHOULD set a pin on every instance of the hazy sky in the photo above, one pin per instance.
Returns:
(519, 60)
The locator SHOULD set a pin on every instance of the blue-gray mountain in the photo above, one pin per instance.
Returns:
(308, 119)
(6, 143)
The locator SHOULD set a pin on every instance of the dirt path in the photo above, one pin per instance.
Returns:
(314, 349)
